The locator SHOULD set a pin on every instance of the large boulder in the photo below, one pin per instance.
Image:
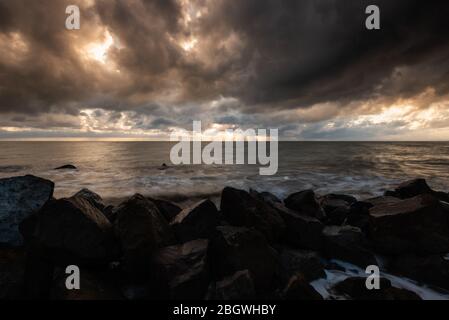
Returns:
(266, 197)
(183, 270)
(19, 198)
(306, 203)
(141, 229)
(308, 263)
(241, 209)
(355, 288)
(416, 225)
(299, 289)
(238, 248)
(301, 231)
(94, 198)
(433, 270)
(196, 222)
(239, 286)
(348, 244)
(413, 188)
(71, 230)
(168, 209)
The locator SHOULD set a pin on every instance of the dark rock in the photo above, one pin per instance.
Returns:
(71, 230)
(338, 216)
(196, 222)
(164, 166)
(432, 270)
(416, 225)
(168, 209)
(356, 289)
(184, 269)
(93, 198)
(330, 202)
(306, 203)
(413, 188)
(308, 263)
(67, 167)
(334, 266)
(94, 286)
(348, 244)
(266, 197)
(299, 289)
(12, 272)
(238, 248)
(301, 230)
(19, 198)
(239, 208)
(141, 229)
(239, 286)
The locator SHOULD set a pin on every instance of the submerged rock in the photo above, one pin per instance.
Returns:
(183, 270)
(19, 198)
(238, 248)
(415, 225)
(239, 208)
(141, 229)
(306, 203)
(239, 286)
(67, 167)
(196, 222)
(299, 289)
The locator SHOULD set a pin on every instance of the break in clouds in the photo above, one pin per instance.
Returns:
(143, 69)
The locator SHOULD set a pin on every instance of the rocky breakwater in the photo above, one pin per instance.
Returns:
(253, 246)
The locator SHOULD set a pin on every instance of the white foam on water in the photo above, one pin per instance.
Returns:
(324, 286)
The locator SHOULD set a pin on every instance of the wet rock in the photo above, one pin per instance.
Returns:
(67, 167)
(332, 201)
(19, 198)
(239, 286)
(184, 269)
(301, 231)
(299, 289)
(356, 289)
(266, 197)
(338, 216)
(141, 229)
(239, 208)
(413, 188)
(71, 230)
(196, 222)
(348, 244)
(308, 263)
(306, 203)
(12, 272)
(168, 209)
(238, 248)
(433, 270)
(93, 198)
(416, 225)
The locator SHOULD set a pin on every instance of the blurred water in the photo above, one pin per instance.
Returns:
(119, 169)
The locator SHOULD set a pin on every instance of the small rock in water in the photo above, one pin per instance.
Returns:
(67, 167)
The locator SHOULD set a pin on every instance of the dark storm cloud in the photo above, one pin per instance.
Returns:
(266, 54)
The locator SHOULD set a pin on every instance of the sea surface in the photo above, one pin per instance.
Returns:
(120, 169)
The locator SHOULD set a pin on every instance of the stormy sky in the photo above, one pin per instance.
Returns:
(141, 69)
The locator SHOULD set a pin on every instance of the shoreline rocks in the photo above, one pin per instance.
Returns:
(254, 246)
